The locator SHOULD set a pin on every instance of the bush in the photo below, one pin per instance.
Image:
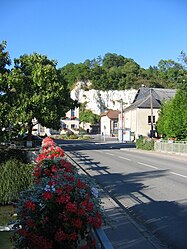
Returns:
(145, 143)
(7, 154)
(74, 136)
(15, 177)
(85, 137)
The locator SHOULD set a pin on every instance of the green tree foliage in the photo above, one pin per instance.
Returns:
(35, 90)
(172, 120)
(76, 72)
(115, 72)
(88, 116)
(5, 101)
(169, 72)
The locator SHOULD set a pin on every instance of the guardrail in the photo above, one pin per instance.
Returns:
(171, 146)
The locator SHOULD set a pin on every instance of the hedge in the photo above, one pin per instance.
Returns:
(16, 176)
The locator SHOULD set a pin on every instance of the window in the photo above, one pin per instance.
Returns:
(115, 124)
(72, 126)
(72, 112)
(149, 119)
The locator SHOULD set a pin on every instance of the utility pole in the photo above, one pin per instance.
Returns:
(151, 105)
(122, 120)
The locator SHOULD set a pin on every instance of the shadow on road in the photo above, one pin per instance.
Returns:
(167, 220)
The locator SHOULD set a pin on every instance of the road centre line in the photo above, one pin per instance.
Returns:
(173, 173)
(147, 165)
(124, 158)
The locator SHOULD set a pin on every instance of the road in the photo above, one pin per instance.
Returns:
(151, 186)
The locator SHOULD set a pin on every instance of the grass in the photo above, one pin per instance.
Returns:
(5, 242)
(6, 215)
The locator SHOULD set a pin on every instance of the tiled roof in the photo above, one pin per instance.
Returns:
(143, 98)
(112, 114)
(159, 93)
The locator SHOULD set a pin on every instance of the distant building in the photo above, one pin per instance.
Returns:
(71, 121)
(109, 122)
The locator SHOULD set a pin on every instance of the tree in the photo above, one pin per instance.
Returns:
(39, 93)
(4, 100)
(172, 120)
(113, 60)
(88, 116)
(75, 72)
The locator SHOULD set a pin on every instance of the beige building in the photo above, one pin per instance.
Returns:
(141, 116)
(109, 123)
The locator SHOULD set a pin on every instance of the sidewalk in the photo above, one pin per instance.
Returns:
(124, 232)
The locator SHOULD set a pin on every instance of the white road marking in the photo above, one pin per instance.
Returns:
(109, 154)
(147, 165)
(178, 174)
(124, 158)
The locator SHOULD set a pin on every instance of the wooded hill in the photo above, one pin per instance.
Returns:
(115, 72)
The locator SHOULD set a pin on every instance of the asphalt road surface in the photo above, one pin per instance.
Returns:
(152, 186)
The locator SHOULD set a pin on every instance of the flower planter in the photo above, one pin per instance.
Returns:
(61, 207)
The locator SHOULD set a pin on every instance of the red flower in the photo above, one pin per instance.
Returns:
(23, 232)
(59, 151)
(54, 168)
(72, 236)
(60, 235)
(81, 212)
(30, 222)
(30, 205)
(37, 242)
(69, 178)
(97, 220)
(47, 195)
(90, 206)
(63, 199)
(40, 157)
(59, 191)
(37, 171)
(68, 188)
(77, 223)
(80, 184)
(71, 207)
(47, 172)
(67, 166)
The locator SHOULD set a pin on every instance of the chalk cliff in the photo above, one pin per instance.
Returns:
(98, 101)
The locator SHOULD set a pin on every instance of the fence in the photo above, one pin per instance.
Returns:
(171, 146)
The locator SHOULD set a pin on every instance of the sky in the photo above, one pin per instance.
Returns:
(71, 31)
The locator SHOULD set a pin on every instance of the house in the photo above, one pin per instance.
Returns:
(141, 116)
(109, 122)
(68, 123)
(71, 121)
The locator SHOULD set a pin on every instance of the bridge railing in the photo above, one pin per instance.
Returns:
(171, 146)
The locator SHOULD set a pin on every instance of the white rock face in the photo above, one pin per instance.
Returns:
(98, 101)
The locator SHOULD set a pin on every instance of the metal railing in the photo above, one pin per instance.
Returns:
(171, 146)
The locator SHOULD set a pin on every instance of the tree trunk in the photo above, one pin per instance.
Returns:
(30, 126)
